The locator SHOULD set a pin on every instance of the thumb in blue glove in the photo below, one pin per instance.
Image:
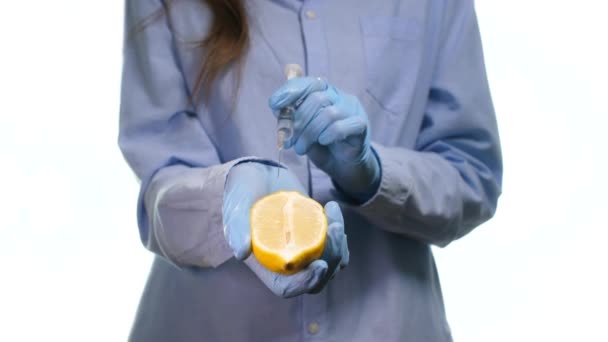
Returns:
(247, 182)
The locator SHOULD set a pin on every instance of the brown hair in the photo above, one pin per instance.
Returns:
(224, 46)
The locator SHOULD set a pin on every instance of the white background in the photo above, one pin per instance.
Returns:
(71, 264)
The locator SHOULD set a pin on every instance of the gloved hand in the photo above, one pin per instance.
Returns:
(331, 127)
(246, 183)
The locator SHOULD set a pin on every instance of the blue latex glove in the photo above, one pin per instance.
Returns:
(246, 183)
(331, 127)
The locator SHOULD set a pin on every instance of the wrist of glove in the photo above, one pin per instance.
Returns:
(332, 129)
(246, 183)
(361, 181)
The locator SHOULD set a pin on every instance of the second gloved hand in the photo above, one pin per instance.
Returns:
(332, 128)
(246, 183)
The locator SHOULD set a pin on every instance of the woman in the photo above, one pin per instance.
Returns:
(394, 121)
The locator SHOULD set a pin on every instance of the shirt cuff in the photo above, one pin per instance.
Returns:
(183, 207)
(394, 188)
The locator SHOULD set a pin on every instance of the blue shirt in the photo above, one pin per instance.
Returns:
(417, 68)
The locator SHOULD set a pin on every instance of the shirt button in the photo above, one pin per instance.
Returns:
(311, 14)
(313, 328)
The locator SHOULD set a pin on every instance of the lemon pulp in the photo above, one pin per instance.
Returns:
(288, 231)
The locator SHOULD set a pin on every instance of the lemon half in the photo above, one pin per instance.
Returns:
(288, 231)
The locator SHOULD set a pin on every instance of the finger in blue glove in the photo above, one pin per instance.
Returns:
(288, 286)
(335, 253)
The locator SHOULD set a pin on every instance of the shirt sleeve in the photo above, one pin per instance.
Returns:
(451, 181)
(179, 208)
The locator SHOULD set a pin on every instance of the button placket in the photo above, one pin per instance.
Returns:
(315, 42)
(314, 307)
(316, 49)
